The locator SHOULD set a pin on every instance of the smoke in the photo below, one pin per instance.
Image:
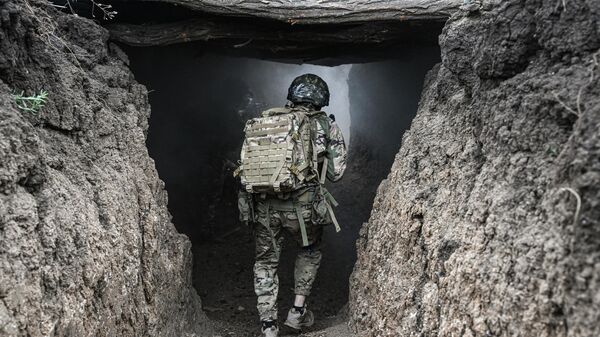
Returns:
(270, 80)
(200, 101)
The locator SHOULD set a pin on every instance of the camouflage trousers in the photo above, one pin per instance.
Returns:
(273, 216)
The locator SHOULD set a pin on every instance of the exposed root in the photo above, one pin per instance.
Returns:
(569, 109)
(47, 30)
(560, 3)
(592, 74)
(242, 44)
(594, 64)
(578, 198)
(578, 102)
(108, 13)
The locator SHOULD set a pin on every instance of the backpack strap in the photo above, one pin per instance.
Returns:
(322, 119)
(313, 131)
(333, 218)
(323, 171)
(302, 225)
(276, 173)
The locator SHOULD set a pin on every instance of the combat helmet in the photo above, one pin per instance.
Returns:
(309, 88)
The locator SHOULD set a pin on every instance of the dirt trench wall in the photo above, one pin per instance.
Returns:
(472, 233)
(86, 243)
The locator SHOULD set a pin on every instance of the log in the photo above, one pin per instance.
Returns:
(252, 34)
(325, 11)
(320, 44)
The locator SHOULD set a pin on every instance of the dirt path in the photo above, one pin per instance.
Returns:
(330, 327)
(223, 272)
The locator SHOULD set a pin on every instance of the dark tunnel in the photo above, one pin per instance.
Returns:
(202, 94)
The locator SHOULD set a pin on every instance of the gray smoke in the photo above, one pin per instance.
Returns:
(200, 103)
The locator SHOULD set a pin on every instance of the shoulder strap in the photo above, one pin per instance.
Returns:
(323, 119)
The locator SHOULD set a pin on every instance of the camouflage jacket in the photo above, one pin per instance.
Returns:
(329, 142)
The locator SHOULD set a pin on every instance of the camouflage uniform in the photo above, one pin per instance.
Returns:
(276, 212)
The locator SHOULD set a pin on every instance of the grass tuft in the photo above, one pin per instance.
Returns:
(31, 104)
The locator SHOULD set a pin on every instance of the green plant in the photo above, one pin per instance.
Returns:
(33, 103)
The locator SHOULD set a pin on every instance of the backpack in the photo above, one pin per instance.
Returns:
(277, 153)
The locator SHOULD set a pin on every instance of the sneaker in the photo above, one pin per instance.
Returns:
(298, 319)
(270, 330)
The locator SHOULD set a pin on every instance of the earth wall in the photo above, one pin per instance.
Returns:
(87, 247)
(489, 221)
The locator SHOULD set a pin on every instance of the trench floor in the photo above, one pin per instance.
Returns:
(223, 272)
(331, 327)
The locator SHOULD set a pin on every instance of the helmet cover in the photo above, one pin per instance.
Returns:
(309, 88)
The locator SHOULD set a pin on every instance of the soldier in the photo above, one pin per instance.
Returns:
(303, 208)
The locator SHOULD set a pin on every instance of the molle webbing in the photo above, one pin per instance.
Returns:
(268, 132)
(333, 218)
(267, 126)
(277, 153)
(263, 163)
(275, 111)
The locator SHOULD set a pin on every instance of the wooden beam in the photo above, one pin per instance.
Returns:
(249, 35)
(325, 11)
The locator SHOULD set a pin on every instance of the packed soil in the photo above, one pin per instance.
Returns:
(223, 275)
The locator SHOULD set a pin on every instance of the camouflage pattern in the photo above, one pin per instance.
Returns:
(277, 153)
(272, 213)
(336, 152)
(329, 142)
(309, 88)
(273, 159)
(273, 216)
